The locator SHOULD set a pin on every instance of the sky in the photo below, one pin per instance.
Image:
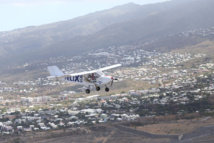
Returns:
(22, 13)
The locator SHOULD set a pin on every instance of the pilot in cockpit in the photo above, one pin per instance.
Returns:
(92, 77)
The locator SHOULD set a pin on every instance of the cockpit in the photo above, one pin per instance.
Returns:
(92, 78)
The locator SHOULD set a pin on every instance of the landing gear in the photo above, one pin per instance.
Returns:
(97, 88)
(107, 89)
(87, 91)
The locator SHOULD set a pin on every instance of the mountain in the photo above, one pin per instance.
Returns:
(18, 45)
(185, 16)
(125, 24)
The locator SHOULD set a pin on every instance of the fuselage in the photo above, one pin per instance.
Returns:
(80, 79)
(89, 78)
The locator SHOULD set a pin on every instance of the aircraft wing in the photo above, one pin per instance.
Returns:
(93, 71)
(80, 73)
(110, 67)
(83, 73)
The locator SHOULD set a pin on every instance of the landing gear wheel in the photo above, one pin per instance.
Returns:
(98, 88)
(87, 91)
(107, 89)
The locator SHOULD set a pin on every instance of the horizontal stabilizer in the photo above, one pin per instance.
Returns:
(55, 71)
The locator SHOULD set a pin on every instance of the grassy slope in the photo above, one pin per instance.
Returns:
(205, 47)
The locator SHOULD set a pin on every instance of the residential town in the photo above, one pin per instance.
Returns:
(169, 83)
(98, 109)
(107, 71)
(143, 62)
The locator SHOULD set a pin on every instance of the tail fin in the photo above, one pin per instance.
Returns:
(55, 71)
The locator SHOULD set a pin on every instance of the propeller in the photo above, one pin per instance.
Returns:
(113, 78)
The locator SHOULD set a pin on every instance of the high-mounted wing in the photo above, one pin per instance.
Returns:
(110, 67)
(81, 73)
(96, 71)
(90, 72)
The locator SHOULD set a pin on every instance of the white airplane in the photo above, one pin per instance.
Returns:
(88, 79)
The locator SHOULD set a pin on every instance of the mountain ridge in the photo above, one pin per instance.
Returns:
(125, 24)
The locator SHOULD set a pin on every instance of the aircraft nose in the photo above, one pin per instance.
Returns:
(107, 79)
